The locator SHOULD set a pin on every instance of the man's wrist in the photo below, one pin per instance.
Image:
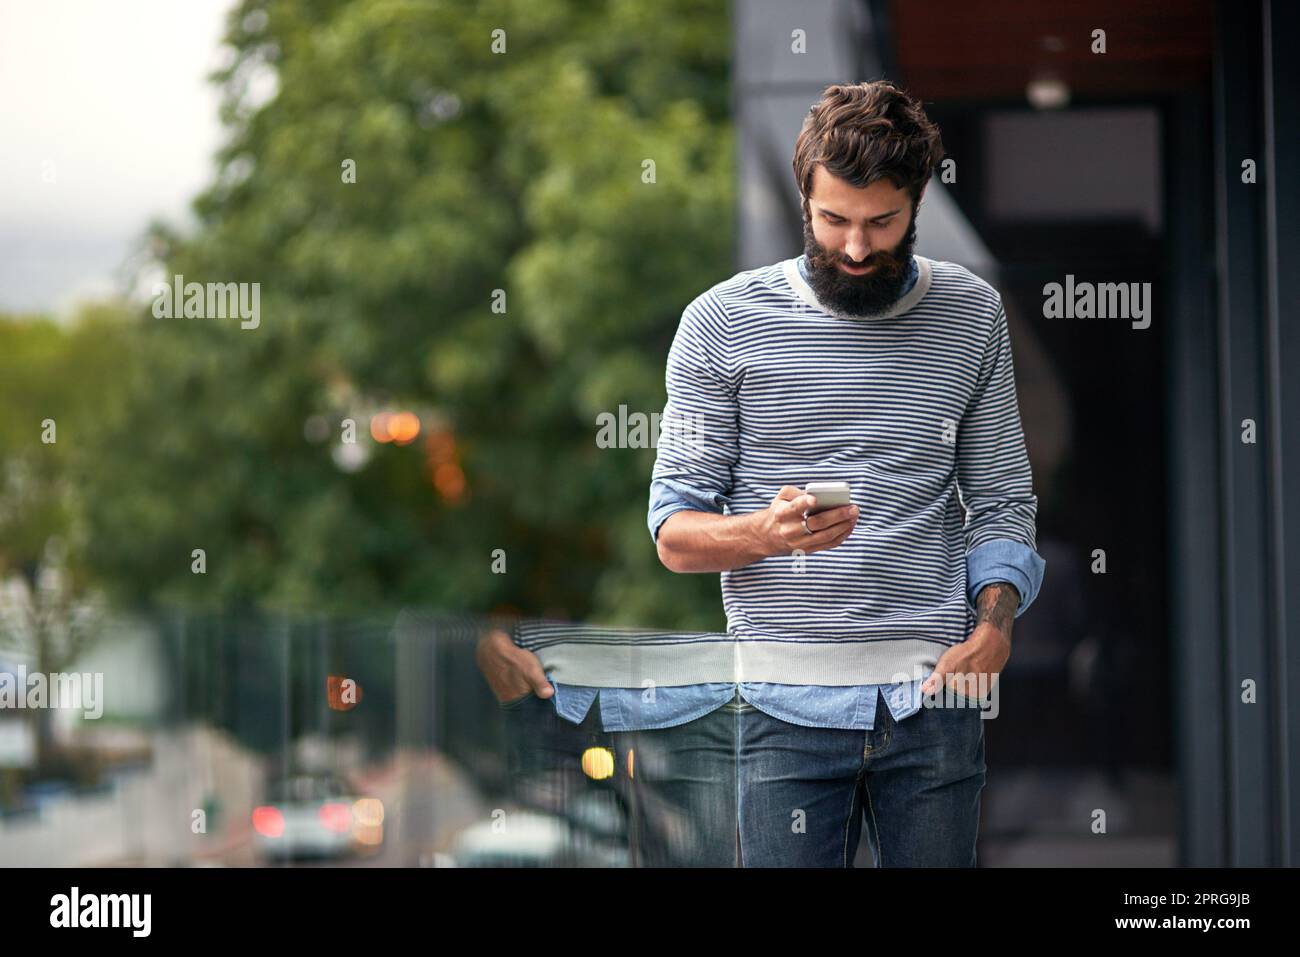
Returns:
(757, 544)
(996, 605)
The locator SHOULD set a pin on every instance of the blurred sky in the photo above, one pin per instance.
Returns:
(108, 100)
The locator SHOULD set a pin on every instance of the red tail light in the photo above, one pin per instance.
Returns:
(268, 821)
(336, 817)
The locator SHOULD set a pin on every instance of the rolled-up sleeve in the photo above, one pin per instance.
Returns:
(667, 496)
(1005, 561)
(994, 479)
(698, 443)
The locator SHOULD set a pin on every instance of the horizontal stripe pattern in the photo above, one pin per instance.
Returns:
(916, 410)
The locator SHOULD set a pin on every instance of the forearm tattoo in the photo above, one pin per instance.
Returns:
(997, 604)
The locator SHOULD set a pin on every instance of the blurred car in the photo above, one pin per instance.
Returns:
(529, 840)
(591, 837)
(314, 815)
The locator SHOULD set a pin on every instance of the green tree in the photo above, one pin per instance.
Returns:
(54, 383)
(477, 169)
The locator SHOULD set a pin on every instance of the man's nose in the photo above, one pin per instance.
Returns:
(857, 248)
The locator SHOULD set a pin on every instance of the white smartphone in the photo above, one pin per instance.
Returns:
(828, 494)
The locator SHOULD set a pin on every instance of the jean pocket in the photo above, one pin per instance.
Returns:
(515, 702)
(949, 699)
(964, 703)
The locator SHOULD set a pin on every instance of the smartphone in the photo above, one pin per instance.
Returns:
(829, 495)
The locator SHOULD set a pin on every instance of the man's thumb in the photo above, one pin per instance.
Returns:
(536, 676)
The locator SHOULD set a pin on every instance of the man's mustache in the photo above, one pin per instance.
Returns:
(882, 262)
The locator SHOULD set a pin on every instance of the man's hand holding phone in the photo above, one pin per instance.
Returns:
(783, 526)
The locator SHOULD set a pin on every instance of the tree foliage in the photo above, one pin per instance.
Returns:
(522, 171)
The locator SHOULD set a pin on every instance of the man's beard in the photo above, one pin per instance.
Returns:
(865, 295)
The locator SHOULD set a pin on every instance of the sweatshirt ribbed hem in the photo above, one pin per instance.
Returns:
(625, 658)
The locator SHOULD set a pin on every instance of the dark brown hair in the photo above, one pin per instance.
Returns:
(865, 132)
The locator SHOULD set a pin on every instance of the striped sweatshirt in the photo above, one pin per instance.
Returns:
(890, 596)
(915, 408)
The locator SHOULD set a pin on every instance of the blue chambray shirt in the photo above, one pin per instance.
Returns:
(851, 707)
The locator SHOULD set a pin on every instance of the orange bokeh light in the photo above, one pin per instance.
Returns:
(341, 696)
(440, 447)
(598, 763)
(449, 480)
(400, 428)
(403, 427)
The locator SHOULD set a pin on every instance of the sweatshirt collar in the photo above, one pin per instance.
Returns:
(795, 269)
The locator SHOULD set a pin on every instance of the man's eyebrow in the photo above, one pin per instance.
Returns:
(873, 218)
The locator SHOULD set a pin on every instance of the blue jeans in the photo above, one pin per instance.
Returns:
(804, 793)
(738, 787)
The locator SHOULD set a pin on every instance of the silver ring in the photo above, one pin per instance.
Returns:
(805, 525)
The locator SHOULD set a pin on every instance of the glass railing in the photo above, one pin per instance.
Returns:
(420, 739)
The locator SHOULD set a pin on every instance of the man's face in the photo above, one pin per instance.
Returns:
(858, 244)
